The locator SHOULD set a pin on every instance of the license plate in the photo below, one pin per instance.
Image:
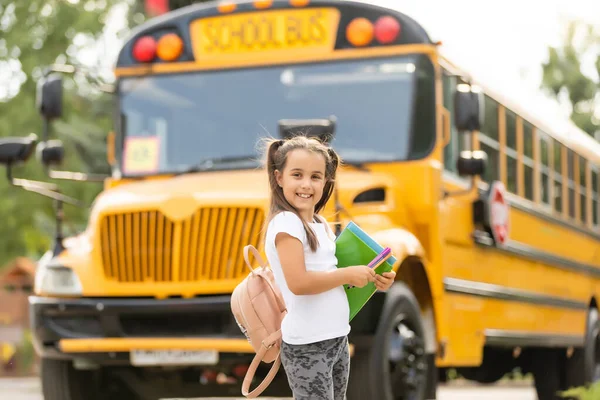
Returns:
(174, 357)
(276, 31)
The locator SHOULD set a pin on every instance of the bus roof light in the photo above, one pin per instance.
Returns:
(169, 47)
(387, 30)
(225, 7)
(360, 32)
(262, 4)
(144, 49)
(299, 3)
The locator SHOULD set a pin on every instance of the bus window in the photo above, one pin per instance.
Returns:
(558, 203)
(582, 189)
(544, 167)
(571, 181)
(424, 112)
(528, 161)
(490, 124)
(511, 151)
(452, 149)
(488, 140)
(595, 197)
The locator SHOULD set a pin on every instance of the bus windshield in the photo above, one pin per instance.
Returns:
(193, 118)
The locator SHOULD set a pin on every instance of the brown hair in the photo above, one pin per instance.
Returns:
(277, 152)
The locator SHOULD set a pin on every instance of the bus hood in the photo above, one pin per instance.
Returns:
(185, 234)
(179, 196)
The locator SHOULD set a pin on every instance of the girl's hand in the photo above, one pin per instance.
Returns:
(358, 275)
(384, 281)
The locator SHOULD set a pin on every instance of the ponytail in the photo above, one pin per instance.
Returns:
(272, 162)
(330, 173)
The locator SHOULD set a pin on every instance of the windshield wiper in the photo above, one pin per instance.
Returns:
(360, 165)
(210, 163)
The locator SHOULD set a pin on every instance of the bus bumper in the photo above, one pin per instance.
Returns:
(106, 330)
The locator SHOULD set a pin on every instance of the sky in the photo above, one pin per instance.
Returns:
(503, 42)
(508, 37)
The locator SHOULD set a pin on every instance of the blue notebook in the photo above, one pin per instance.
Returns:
(355, 247)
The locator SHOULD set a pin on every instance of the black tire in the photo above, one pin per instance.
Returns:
(583, 367)
(61, 381)
(554, 372)
(548, 374)
(592, 347)
(496, 364)
(432, 378)
(388, 372)
(360, 364)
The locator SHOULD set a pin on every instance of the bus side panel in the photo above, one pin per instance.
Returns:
(487, 288)
(464, 341)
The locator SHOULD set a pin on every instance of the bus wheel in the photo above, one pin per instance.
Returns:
(546, 367)
(592, 347)
(583, 367)
(61, 381)
(396, 366)
(554, 372)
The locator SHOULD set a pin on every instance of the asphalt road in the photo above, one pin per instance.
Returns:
(29, 389)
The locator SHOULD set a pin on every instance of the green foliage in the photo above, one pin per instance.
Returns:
(452, 374)
(569, 73)
(33, 35)
(582, 393)
(26, 354)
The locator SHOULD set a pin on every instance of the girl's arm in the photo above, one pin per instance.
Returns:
(303, 282)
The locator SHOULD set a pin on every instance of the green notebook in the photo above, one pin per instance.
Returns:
(355, 247)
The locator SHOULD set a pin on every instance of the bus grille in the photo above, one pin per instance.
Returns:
(147, 246)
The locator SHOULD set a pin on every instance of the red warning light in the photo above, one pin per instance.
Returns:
(156, 7)
(144, 50)
(387, 30)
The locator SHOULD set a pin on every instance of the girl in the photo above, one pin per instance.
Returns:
(300, 248)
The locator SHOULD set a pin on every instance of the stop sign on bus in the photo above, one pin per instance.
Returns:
(498, 213)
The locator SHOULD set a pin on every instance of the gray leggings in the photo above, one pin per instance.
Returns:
(317, 371)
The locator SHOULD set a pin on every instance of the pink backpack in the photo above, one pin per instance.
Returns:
(259, 308)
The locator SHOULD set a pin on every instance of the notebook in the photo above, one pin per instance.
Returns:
(355, 247)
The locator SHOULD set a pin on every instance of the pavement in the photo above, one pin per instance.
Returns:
(29, 389)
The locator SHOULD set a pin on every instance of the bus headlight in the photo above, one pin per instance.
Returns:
(55, 279)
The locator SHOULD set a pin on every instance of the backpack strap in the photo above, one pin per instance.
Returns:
(267, 344)
(256, 255)
(262, 263)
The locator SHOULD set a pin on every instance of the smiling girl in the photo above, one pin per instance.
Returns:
(300, 248)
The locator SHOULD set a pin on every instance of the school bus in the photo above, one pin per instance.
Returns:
(490, 207)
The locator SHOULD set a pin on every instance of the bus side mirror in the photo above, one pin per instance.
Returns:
(49, 96)
(323, 129)
(468, 108)
(110, 148)
(471, 163)
(15, 150)
(51, 152)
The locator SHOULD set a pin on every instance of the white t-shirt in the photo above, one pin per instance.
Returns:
(310, 318)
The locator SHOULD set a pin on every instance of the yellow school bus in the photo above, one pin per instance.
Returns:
(491, 210)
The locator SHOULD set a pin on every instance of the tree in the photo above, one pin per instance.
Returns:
(568, 77)
(33, 35)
